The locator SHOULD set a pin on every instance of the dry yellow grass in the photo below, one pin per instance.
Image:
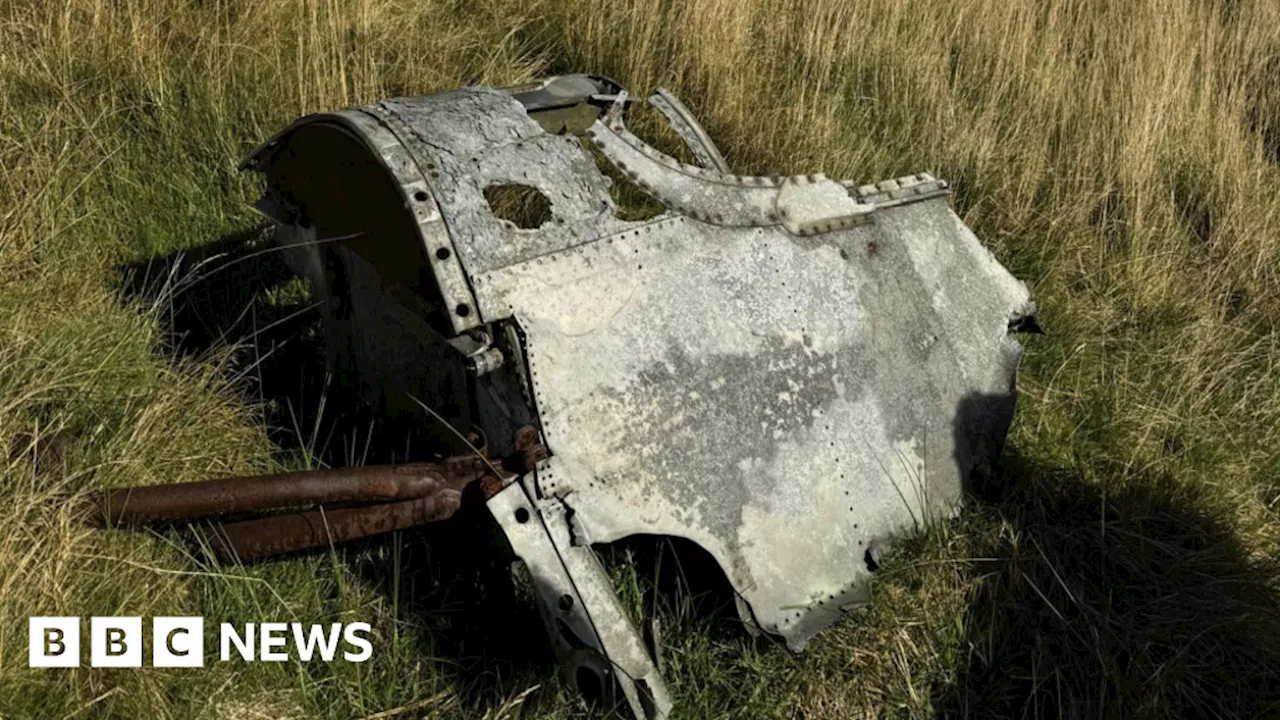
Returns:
(1123, 157)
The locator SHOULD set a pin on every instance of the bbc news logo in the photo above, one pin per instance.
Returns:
(179, 642)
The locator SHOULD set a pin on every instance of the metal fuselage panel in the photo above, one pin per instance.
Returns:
(786, 403)
(790, 372)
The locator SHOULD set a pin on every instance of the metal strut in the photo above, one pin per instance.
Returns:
(689, 130)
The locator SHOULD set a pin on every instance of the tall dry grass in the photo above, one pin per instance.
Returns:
(1122, 157)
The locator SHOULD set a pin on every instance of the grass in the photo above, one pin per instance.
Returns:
(1123, 158)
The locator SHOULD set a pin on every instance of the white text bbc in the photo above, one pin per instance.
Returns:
(179, 641)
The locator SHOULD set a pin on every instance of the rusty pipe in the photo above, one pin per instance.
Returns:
(185, 501)
(250, 540)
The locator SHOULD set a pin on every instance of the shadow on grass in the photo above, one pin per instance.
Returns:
(449, 582)
(237, 295)
(1116, 599)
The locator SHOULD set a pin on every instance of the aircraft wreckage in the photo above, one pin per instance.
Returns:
(787, 371)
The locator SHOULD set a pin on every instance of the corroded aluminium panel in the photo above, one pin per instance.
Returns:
(790, 372)
(577, 595)
(416, 194)
(478, 137)
(689, 130)
(785, 402)
(803, 204)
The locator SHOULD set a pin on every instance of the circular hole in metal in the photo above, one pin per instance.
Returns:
(565, 603)
(420, 196)
(522, 515)
(463, 309)
(443, 254)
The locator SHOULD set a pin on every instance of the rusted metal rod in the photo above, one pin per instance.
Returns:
(315, 507)
(250, 540)
(185, 501)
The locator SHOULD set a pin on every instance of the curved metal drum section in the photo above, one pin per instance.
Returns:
(789, 372)
(385, 209)
(355, 215)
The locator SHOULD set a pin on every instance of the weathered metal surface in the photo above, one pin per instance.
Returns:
(689, 130)
(486, 361)
(805, 412)
(595, 641)
(790, 372)
(803, 204)
(332, 506)
(386, 142)
(250, 540)
(257, 493)
(563, 104)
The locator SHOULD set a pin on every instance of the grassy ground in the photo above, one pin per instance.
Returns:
(1124, 158)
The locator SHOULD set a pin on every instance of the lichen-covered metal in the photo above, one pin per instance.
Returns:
(790, 372)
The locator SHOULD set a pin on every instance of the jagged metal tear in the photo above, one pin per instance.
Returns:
(789, 372)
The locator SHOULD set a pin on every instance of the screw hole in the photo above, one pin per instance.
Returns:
(565, 603)
(522, 515)
(420, 196)
(443, 254)
(463, 310)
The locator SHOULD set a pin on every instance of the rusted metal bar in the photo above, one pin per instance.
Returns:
(316, 507)
(378, 483)
(529, 445)
(250, 540)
